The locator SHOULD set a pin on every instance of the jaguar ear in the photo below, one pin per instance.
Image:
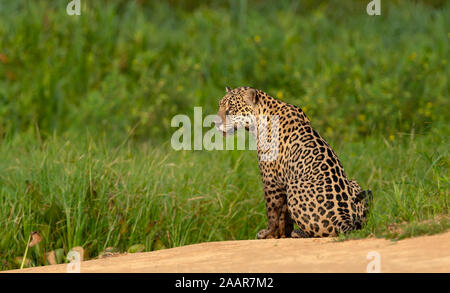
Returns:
(251, 97)
(227, 88)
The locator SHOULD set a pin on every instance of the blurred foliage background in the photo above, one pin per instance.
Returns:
(86, 103)
(126, 65)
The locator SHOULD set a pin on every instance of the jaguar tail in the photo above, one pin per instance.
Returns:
(363, 201)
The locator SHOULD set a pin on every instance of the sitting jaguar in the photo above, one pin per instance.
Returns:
(304, 181)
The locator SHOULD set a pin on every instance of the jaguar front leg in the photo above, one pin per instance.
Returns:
(279, 222)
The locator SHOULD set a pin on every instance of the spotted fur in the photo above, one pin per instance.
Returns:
(305, 182)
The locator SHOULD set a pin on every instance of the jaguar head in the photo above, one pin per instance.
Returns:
(237, 109)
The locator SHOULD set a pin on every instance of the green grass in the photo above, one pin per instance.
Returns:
(97, 196)
(86, 104)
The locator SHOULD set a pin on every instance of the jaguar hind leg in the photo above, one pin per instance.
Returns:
(299, 234)
(286, 223)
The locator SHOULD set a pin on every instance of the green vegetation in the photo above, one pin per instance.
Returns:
(86, 104)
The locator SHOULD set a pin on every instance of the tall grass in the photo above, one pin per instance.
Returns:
(86, 103)
(97, 196)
